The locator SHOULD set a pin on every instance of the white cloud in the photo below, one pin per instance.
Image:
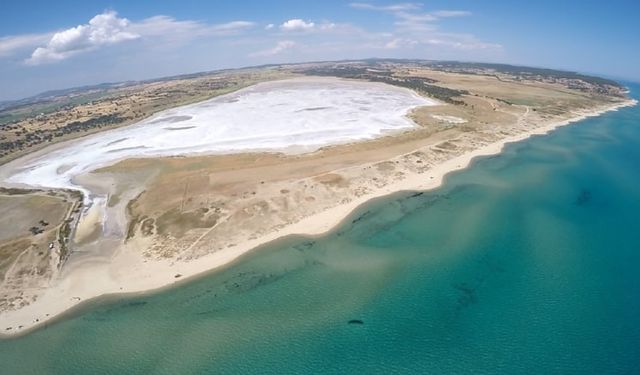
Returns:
(165, 45)
(421, 22)
(297, 24)
(409, 16)
(107, 29)
(166, 26)
(387, 8)
(460, 42)
(12, 44)
(230, 28)
(103, 29)
(393, 44)
(420, 17)
(170, 28)
(280, 47)
(324, 26)
(400, 43)
(416, 27)
(327, 26)
(405, 7)
(451, 13)
(415, 22)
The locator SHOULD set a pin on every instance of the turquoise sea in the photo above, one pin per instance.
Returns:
(527, 262)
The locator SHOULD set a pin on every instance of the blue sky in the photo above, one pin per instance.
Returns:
(47, 45)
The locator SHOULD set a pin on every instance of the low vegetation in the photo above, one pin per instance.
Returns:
(569, 79)
(422, 85)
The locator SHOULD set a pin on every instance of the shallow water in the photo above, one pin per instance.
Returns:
(527, 262)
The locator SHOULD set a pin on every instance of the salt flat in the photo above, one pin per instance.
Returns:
(296, 114)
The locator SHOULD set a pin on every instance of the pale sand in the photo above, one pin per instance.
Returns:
(127, 271)
(90, 223)
(449, 119)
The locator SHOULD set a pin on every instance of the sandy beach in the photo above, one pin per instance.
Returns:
(128, 271)
(365, 186)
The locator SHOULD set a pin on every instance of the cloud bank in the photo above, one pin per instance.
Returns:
(104, 29)
(280, 47)
(415, 27)
(165, 45)
(108, 29)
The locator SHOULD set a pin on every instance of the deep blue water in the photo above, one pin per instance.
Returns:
(527, 262)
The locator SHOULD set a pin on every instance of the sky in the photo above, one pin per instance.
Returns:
(47, 45)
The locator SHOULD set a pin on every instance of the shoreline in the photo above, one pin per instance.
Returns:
(128, 273)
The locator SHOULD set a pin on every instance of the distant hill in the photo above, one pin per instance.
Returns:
(468, 67)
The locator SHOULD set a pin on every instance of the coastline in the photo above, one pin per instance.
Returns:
(129, 272)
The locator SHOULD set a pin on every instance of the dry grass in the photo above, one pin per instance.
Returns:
(26, 260)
